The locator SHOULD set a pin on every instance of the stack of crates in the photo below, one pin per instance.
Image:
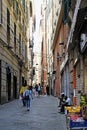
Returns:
(72, 110)
(69, 111)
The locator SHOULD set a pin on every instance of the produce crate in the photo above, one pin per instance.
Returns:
(73, 109)
(77, 124)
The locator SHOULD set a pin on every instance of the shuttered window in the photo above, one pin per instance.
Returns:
(8, 26)
(0, 11)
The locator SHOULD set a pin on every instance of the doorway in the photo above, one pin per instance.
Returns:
(0, 81)
(9, 86)
(8, 81)
(14, 87)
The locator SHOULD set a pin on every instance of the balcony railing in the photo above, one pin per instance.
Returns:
(10, 2)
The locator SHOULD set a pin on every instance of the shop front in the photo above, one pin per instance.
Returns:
(83, 44)
(83, 48)
(64, 69)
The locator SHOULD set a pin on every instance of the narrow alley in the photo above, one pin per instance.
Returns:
(43, 51)
(42, 116)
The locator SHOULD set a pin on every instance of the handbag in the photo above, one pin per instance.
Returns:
(26, 97)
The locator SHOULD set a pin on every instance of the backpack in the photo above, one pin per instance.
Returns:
(26, 97)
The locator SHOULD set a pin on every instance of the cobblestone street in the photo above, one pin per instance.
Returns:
(43, 115)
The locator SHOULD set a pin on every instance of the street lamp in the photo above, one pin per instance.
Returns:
(8, 46)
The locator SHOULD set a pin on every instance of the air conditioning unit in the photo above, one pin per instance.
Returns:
(83, 40)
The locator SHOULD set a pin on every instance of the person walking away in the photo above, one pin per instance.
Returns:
(27, 95)
(36, 89)
(21, 94)
(39, 89)
(31, 90)
(47, 89)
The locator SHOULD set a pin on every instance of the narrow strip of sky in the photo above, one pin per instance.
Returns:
(37, 8)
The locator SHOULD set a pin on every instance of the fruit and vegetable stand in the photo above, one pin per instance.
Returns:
(76, 117)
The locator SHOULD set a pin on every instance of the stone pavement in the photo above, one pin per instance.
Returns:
(42, 116)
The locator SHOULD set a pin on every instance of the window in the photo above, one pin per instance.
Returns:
(19, 16)
(67, 6)
(30, 9)
(23, 3)
(14, 37)
(0, 11)
(23, 25)
(17, 7)
(27, 16)
(19, 43)
(25, 52)
(13, 4)
(8, 26)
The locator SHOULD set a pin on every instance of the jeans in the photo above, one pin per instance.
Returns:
(28, 104)
(24, 102)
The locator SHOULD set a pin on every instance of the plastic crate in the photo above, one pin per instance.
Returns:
(77, 124)
(73, 109)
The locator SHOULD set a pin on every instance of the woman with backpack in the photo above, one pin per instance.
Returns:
(27, 96)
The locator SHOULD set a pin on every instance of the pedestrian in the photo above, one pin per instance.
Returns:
(63, 102)
(36, 90)
(21, 94)
(39, 89)
(60, 99)
(47, 89)
(31, 90)
(27, 96)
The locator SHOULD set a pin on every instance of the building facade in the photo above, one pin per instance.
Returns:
(49, 28)
(14, 20)
(77, 51)
(44, 51)
(57, 41)
(69, 46)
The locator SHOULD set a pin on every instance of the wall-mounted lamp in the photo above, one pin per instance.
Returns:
(54, 74)
(61, 43)
(30, 46)
(48, 73)
(8, 46)
(59, 56)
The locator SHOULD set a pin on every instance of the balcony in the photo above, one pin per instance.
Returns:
(20, 25)
(15, 14)
(8, 38)
(15, 9)
(10, 2)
